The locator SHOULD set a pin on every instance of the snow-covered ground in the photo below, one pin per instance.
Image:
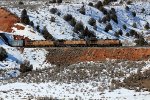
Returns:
(81, 91)
(24, 88)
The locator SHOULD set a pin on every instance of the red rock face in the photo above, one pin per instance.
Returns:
(7, 20)
(98, 54)
(67, 56)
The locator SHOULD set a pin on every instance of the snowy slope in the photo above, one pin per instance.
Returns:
(60, 29)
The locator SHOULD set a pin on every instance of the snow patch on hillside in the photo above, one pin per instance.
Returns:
(37, 58)
(27, 32)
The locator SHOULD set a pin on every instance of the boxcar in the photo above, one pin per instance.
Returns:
(108, 42)
(39, 43)
(72, 43)
(75, 43)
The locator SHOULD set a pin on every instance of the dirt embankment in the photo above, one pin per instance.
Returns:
(7, 20)
(67, 56)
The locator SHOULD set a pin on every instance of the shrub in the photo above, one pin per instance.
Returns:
(116, 34)
(88, 33)
(120, 32)
(26, 67)
(59, 1)
(82, 10)
(113, 11)
(147, 26)
(106, 18)
(106, 2)
(53, 10)
(98, 4)
(20, 3)
(134, 25)
(137, 35)
(143, 10)
(52, 1)
(100, 20)
(31, 23)
(68, 17)
(108, 27)
(141, 41)
(129, 2)
(95, 27)
(92, 21)
(90, 4)
(124, 26)
(127, 8)
(52, 19)
(3, 54)
(91, 34)
(114, 18)
(79, 27)
(38, 28)
(127, 34)
(58, 13)
(132, 32)
(134, 14)
(103, 10)
(72, 22)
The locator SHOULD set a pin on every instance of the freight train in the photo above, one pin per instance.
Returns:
(66, 43)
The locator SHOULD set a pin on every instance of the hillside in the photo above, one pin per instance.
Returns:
(61, 29)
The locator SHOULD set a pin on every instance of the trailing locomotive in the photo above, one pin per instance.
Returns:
(66, 43)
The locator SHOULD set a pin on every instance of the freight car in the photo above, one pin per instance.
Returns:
(39, 43)
(72, 43)
(104, 43)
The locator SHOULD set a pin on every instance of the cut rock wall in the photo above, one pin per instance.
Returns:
(67, 56)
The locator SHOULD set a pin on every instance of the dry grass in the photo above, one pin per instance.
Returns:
(111, 71)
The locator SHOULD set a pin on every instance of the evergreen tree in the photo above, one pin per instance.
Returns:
(3, 54)
(38, 28)
(82, 10)
(46, 34)
(32, 24)
(147, 26)
(24, 17)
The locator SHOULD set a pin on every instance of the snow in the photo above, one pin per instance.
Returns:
(84, 91)
(37, 58)
(27, 32)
